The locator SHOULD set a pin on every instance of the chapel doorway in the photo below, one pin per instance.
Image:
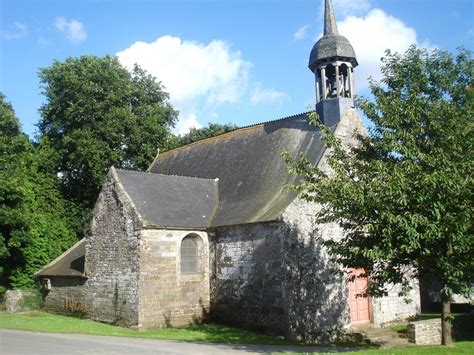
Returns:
(358, 306)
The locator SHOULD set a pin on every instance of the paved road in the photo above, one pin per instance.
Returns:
(19, 342)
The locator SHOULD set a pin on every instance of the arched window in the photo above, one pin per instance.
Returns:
(189, 255)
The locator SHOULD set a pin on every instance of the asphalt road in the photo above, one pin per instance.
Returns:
(19, 342)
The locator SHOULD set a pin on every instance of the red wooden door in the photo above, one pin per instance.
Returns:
(359, 306)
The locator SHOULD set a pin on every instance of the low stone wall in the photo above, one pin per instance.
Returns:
(425, 332)
(13, 300)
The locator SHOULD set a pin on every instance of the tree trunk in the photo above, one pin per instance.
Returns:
(446, 324)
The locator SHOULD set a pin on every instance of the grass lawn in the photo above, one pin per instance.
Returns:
(462, 347)
(37, 321)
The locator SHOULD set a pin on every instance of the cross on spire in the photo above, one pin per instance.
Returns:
(330, 26)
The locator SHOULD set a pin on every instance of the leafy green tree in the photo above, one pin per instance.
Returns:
(33, 224)
(196, 134)
(404, 193)
(98, 114)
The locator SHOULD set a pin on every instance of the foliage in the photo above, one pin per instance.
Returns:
(98, 114)
(196, 134)
(33, 224)
(404, 194)
(32, 300)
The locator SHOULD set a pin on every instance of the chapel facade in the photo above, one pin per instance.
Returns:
(212, 230)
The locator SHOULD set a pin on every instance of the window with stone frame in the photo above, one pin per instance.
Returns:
(189, 255)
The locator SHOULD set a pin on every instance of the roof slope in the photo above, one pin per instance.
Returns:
(171, 201)
(70, 263)
(252, 174)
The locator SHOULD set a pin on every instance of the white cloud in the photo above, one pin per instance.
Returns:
(20, 30)
(74, 30)
(192, 72)
(300, 33)
(370, 36)
(261, 95)
(189, 69)
(185, 124)
(350, 7)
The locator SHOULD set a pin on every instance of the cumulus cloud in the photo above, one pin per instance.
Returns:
(350, 7)
(74, 30)
(192, 72)
(186, 123)
(262, 95)
(371, 31)
(300, 33)
(371, 35)
(19, 30)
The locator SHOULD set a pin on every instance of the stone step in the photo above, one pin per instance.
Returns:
(384, 337)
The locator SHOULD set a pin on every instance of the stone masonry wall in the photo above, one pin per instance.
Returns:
(112, 258)
(425, 332)
(167, 297)
(67, 294)
(316, 293)
(393, 308)
(247, 276)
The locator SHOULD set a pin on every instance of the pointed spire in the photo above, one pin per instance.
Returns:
(330, 26)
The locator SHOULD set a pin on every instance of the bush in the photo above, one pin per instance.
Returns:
(31, 300)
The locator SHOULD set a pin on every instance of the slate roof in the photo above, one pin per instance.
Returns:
(252, 175)
(70, 263)
(171, 201)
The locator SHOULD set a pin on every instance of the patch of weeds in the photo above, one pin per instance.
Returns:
(31, 300)
(399, 328)
(74, 308)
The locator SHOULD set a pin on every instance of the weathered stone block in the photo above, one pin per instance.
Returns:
(13, 300)
(425, 332)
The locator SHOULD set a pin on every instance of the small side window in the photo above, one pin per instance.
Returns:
(189, 255)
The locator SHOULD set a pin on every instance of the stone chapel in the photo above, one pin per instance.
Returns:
(211, 230)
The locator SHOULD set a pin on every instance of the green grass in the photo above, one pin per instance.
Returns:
(37, 321)
(463, 347)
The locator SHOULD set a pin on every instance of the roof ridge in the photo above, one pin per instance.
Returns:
(169, 175)
(274, 121)
(234, 130)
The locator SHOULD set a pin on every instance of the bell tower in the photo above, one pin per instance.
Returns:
(332, 61)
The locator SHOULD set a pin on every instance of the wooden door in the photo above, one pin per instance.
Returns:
(359, 306)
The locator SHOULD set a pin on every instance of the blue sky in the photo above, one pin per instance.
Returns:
(222, 61)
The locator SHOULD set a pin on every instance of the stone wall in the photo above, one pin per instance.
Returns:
(167, 297)
(13, 300)
(66, 296)
(393, 308)
(247, 276)
(112, 257)
(316, 293)
(425, 332)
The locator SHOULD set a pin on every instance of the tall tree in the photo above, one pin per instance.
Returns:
(33, 224)
(404, 194)
(98, 114)
(196, 134)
